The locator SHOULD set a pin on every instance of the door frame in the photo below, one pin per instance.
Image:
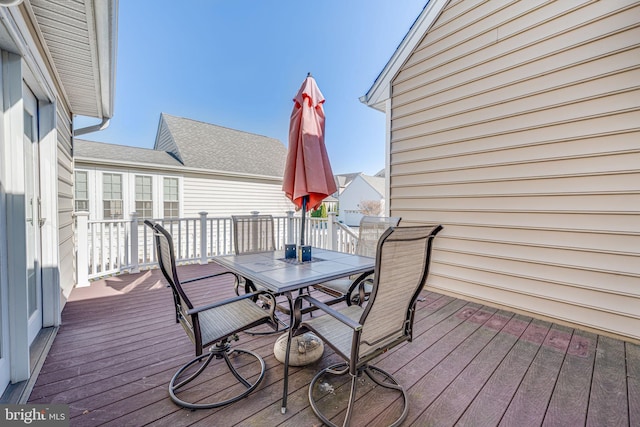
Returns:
(15, 69)
(33, 209)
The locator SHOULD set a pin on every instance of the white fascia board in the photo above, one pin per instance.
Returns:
(380, 91)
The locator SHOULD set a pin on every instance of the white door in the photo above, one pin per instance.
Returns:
(33, 208)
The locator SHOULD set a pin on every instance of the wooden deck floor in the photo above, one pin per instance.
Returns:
(468, 365)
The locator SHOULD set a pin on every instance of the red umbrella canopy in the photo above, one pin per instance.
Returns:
(307, 171)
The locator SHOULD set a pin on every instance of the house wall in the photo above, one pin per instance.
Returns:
(219, 197)
(66, 222)
(349, 200)
(222, 196)
(515, 124)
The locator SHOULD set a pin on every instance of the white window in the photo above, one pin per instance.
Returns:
(81, 188)
(112, 195)
(144, 198)
(171, 200)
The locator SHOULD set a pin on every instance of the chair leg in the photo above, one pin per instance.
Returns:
(343, 368)
(217, 352)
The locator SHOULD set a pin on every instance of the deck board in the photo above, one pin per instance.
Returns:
(495, 395)
(459, 393)
(530, 402)
(468, 364)
(570, 398)
(633, 385)
(608, 404)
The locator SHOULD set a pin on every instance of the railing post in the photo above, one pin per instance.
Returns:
(290, 239)
(332, 231)
(133, 232)
(203, 237)
(82, 249)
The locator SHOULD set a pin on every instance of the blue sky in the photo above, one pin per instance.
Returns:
(239, 63)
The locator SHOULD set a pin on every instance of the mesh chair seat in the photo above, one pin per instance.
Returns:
(337, 334)
(229, 318)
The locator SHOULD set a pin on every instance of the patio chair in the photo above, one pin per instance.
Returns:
(369, 232)
(214, 325)
(359, 334)
(253, 234)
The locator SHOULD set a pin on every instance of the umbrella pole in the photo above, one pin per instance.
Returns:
(304, 214)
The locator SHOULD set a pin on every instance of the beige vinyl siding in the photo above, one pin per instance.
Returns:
(517, 125)
(224, 197)
(66, 224)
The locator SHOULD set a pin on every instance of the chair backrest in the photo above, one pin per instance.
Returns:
(402, 267)
(253, 233)
(370, 231)
(167, 262)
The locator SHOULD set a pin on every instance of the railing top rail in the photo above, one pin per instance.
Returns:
(347, 229)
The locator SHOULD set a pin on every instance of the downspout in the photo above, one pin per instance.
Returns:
(106, 29)
(94, 128)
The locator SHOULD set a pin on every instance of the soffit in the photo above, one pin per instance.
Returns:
(80, 38)
(380, 91)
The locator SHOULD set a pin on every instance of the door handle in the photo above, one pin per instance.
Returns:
(42, 220)
(30, 220)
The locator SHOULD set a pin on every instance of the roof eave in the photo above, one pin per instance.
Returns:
(96, 64)
(380, 91)
(176, 168)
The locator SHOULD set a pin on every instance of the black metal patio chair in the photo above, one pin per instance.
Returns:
(253, 234)
(214, 325)
(359, 334)
(369, 232)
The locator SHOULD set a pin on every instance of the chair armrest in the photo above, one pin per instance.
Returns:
(358, 285)
(198, 309)
(333, 313)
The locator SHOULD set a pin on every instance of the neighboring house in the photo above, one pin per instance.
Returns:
(50, 73)
(194, 167)
(516, 126)
(343, 180)
(361, 192)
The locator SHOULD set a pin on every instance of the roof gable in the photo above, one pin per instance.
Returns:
(206, 146)
(380, 91)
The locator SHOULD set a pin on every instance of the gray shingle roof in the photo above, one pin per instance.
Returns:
(83, 149)
(207, 146)
(343, 179)
(376, 182)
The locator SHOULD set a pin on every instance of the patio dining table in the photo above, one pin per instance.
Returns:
(271, 271)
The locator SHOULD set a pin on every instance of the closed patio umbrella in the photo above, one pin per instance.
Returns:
(308, 177)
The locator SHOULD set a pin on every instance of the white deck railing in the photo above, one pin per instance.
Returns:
(109, 247)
